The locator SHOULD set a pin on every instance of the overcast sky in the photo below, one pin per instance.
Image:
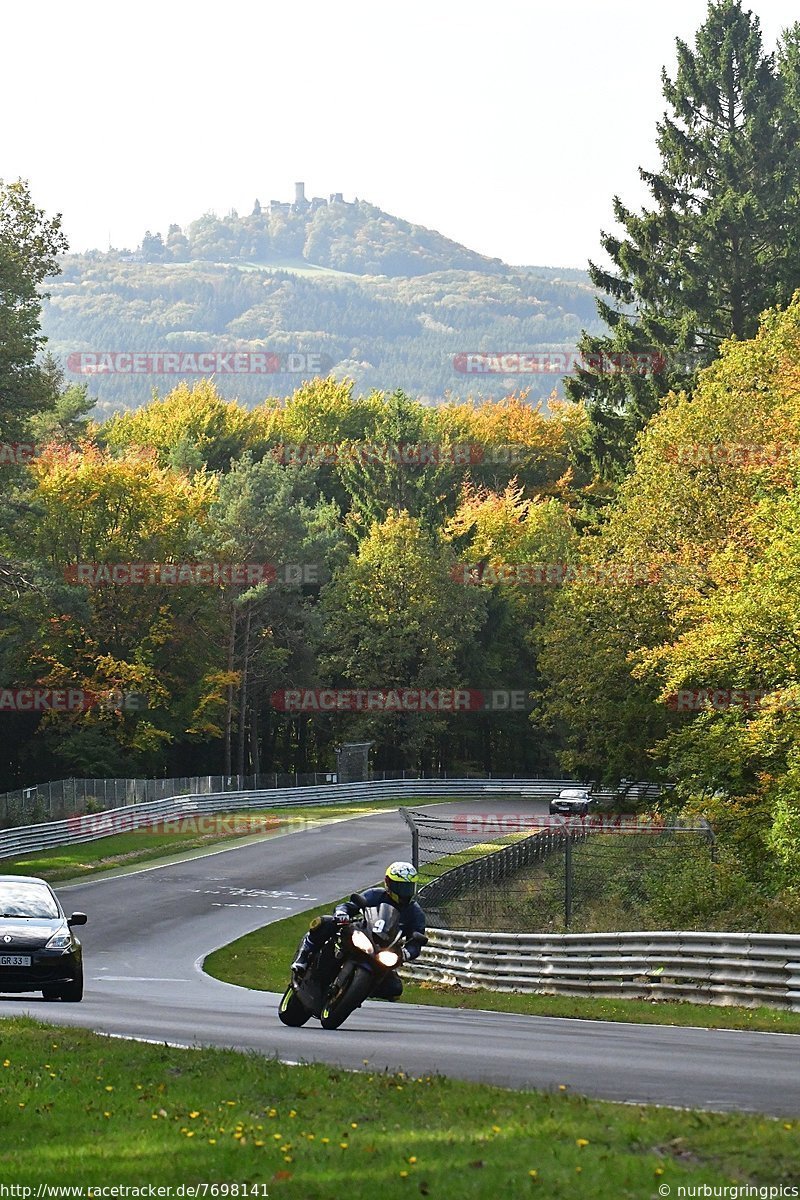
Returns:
(505, 125)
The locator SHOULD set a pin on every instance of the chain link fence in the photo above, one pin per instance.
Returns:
(529, 874)
(63, 798)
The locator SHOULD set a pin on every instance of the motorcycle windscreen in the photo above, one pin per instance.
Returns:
(384, 921)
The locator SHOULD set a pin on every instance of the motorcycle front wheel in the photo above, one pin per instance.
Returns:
(291, 1011)
(339, 1007)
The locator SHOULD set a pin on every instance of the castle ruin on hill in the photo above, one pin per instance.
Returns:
(301, 203)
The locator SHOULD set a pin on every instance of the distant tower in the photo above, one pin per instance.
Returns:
(300, 194)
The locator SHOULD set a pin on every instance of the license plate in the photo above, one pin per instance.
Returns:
(15, 960)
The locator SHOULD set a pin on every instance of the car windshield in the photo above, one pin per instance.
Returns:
(27, 900)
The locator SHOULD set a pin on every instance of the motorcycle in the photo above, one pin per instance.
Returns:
(348, 967)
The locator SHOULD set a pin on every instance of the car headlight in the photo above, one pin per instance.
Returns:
(60, 941)
(388, 958)
(361, 941)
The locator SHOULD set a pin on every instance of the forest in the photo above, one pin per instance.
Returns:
(384, 332)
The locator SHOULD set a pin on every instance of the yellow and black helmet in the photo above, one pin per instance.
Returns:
(401, 881)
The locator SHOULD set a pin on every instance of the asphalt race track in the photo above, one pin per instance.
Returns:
(149, 931)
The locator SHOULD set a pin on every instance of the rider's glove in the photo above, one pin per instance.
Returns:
(341, 914)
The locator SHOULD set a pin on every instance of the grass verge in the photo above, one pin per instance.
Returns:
(81, 1109)
(261, 960)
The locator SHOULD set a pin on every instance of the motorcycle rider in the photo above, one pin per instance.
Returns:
(399, 888)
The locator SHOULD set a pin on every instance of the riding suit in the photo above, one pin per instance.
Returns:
(322, 929)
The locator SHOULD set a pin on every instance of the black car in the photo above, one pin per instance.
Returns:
(38, 950)
(572, 802)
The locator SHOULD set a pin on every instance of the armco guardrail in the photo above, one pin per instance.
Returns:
(61, 798)
(709, 968)
(28, 838)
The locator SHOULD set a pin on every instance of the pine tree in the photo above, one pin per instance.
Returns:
(29, 245)
(717, 248)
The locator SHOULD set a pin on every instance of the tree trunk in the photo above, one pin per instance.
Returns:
(229, 706)
(243, 690)
(273, 731)
(301, 762)
(255, 750)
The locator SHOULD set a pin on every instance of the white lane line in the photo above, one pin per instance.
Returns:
(131, 1037)
(275, 894)
(138, 979)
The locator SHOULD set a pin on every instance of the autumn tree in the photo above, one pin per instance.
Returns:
(88, 507)
(192, 428)
(711, 508)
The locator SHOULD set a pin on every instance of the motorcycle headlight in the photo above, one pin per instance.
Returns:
(388, 958)
(361, 941)
(60, 941)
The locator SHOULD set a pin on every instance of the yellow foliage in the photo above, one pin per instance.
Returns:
(99, 507)
(193, 414)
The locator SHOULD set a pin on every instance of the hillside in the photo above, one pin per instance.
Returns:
(348, 287)
(356, 237)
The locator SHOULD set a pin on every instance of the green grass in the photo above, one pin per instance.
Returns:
(81, 1109)
(118, 850)
(459, 858)
(261, 961)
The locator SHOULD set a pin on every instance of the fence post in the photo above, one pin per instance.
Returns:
(404, 813)
(567, 878)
